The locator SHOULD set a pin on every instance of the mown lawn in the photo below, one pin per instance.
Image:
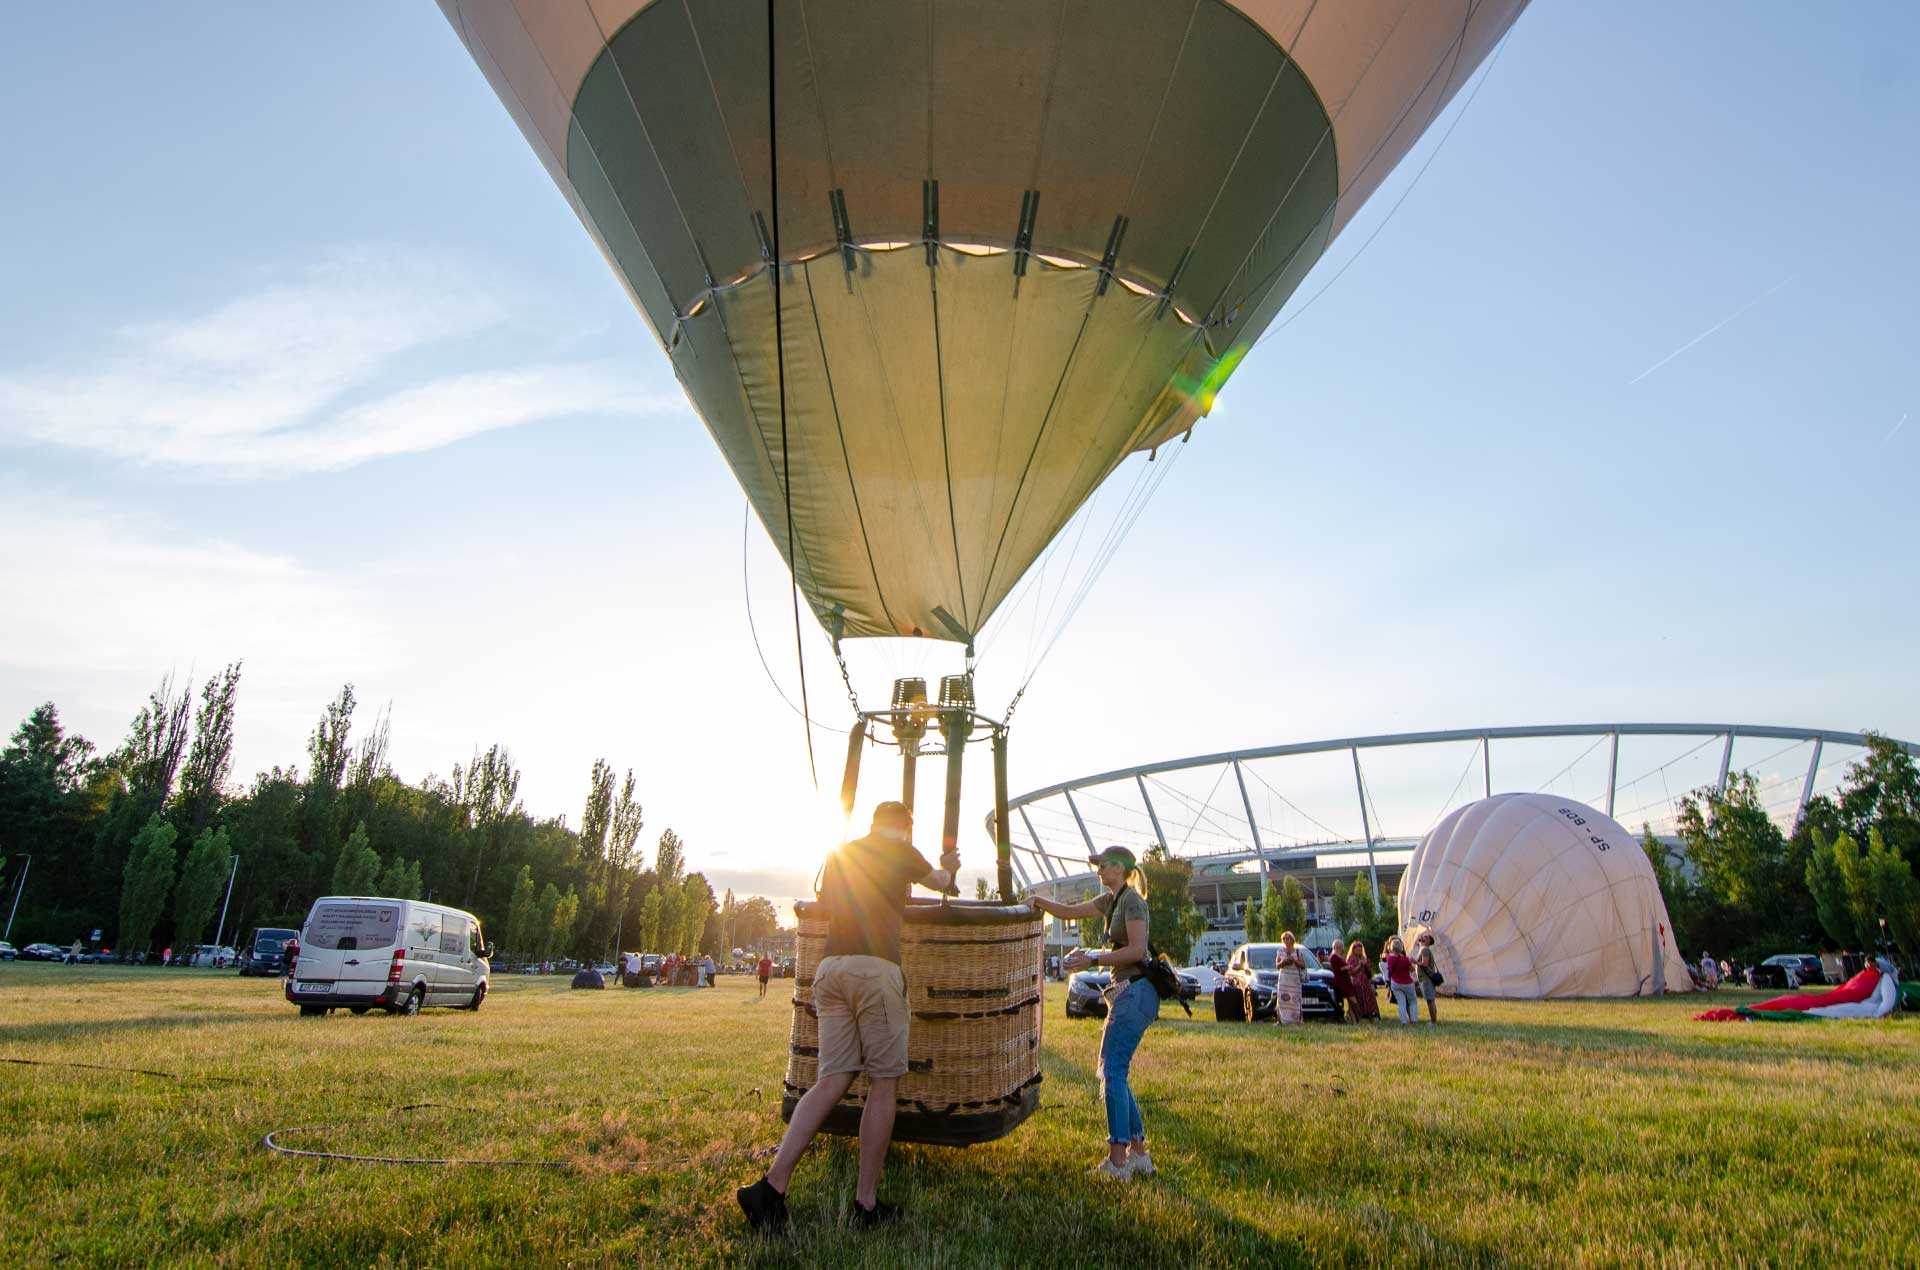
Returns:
(1613, 1134)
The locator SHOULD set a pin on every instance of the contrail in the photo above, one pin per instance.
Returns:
(1894, 432)
(1711, 329)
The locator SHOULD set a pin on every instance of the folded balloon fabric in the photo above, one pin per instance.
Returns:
(1871, 994)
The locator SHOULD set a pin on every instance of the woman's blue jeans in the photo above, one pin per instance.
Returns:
(1127, 1018)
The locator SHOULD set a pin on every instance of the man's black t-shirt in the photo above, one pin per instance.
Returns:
(865, 890)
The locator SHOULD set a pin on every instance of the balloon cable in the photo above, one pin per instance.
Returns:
(780, 374)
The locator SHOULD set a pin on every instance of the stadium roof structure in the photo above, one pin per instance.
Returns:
(1359, 804)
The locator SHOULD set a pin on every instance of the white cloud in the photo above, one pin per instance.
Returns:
(314, 374)
(112, 592)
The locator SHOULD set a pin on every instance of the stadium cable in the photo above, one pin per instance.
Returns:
(1464, 773)
(1570, 766)
(1337, 834)
(780, 374)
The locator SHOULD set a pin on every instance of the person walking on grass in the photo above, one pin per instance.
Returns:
(1425, 968)
(1399, 968)
(1132, 1002)
(766, 972)
(861, 1001)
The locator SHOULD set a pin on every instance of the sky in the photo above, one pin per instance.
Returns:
(305, 362)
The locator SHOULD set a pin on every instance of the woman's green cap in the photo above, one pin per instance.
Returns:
(1113, 855)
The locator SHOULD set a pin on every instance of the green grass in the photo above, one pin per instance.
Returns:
(1585, 1133)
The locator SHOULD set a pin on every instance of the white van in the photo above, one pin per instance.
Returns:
(357, 952)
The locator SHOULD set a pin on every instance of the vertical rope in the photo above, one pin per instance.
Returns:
(780, 374)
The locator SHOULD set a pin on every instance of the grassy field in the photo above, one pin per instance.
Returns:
(1612, 1134)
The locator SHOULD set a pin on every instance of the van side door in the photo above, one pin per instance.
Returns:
(423, 946)
(456, 957)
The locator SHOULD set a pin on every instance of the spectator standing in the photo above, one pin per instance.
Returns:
(1288, 984)
(765, 969)
(1337, 963)
(1425, 970)
(1366, 1002)
(1400, 974)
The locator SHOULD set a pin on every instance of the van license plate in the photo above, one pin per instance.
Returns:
(312, 987)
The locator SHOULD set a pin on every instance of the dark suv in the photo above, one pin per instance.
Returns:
(1251, 976)
(266, 951)
(1789, 970)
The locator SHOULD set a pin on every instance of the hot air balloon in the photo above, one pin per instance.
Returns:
(930, 271)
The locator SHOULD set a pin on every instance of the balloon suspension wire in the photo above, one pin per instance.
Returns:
(753, 628)
(1432, 154)
(780, 374)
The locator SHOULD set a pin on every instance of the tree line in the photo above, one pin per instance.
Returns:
(1843, 876)
(140, 842)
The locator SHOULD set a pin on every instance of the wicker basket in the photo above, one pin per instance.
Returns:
(973, 1046)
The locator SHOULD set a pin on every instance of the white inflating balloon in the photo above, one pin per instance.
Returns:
(1531, 896)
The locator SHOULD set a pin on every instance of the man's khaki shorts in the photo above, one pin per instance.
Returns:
(862, 1004)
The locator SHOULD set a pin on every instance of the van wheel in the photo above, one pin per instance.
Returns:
(356, 1010)
(412, 1002)
(479, 995)
(312, 1011)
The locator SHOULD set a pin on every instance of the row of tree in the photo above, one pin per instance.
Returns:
(144, 842)
(1844, 876)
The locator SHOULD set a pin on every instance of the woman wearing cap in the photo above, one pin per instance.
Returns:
(1132, 1002)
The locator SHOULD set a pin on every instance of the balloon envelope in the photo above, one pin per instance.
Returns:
(1020, 239)
(1530, 896)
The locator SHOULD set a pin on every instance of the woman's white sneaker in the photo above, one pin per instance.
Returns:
(1140, 1164)
(1113, 1172)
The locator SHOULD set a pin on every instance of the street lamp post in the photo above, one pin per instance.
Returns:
(219, 940)
(21, 889)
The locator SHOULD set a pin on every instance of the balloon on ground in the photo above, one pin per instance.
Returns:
(1531, 896)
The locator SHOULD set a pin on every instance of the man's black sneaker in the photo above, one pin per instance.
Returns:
(868, 1218)
(766, 1208)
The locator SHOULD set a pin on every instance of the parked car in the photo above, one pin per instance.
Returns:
(1205, 978)
(1086, 992)
(359, 952)
(42, 952)
(1789, 970)
(211, 955)
(1252, 974)
(7, 951)
(266, 951)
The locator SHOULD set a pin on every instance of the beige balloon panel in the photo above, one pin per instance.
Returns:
(1531, 895)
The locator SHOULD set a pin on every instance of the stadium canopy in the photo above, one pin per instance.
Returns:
(1360, 804)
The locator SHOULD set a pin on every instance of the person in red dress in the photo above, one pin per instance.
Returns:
(1366, 1002)
(1337, 963)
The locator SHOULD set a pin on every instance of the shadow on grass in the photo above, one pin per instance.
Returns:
(87, 1029)
(1718, 1042)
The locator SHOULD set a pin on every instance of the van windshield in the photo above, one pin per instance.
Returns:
(271, 941)
(347, 926)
